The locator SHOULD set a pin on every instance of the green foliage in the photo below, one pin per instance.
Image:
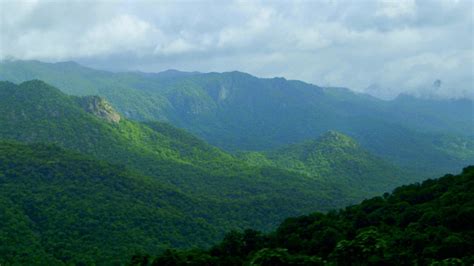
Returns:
(334, 158)
(37, 112)
(61, 207)
(418, 224)
(202, 191)
(111, 187)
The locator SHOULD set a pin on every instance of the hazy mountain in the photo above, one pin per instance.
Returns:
(237, 111)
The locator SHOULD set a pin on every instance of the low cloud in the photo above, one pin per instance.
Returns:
(381, 47)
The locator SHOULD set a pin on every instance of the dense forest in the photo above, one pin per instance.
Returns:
(74, 166)
(335, 158)
(82, 184)
(428, 223)
(61, 207)
(37, 112)
(236, 133)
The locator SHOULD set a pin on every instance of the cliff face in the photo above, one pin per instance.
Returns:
(100, 107)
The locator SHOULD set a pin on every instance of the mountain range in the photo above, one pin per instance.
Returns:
(69, 152)
(239, 112)
(96, 166)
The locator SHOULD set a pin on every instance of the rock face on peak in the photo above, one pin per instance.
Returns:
(100, 107)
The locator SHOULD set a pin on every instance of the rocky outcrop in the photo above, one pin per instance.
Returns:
(100, 107)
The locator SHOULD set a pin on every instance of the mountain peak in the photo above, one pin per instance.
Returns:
(68, 63)
(336, 138)
(173, 73)
(39, 86)
(100, 107)
(38, 91)
(331, 142)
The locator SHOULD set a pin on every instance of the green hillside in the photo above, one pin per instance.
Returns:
(36, 112)
(227, 192)
(61, 207)
(337, 158)
(428, 223)
(237, 111)
(130, 186)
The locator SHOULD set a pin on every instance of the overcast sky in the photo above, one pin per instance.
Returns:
(380, 47)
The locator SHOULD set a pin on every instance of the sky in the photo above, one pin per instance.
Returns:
(386, 47)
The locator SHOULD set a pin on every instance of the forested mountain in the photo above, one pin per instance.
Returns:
(36, 112)
(60, 207)
(84, 182)
(335, 157)
(223, 191)
(428, 223)
(198, 163)
(237, 111)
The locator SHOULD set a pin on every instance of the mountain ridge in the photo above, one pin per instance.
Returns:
(239, 112)
(336, 157)
(179, 73)
(170, 155)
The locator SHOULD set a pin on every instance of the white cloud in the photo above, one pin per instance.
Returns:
(121, 33)
(401, 45)
(396, 8)
(177, 46)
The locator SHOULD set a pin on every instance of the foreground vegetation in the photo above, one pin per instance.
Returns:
(419, 224)
(60, 207)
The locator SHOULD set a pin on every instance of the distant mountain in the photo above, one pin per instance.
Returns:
(433, 115)
(237, 111)
(335, 157)
(419, 224)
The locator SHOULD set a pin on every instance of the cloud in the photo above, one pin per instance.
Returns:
(121, 33)
(383, 47)
(396, 8)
